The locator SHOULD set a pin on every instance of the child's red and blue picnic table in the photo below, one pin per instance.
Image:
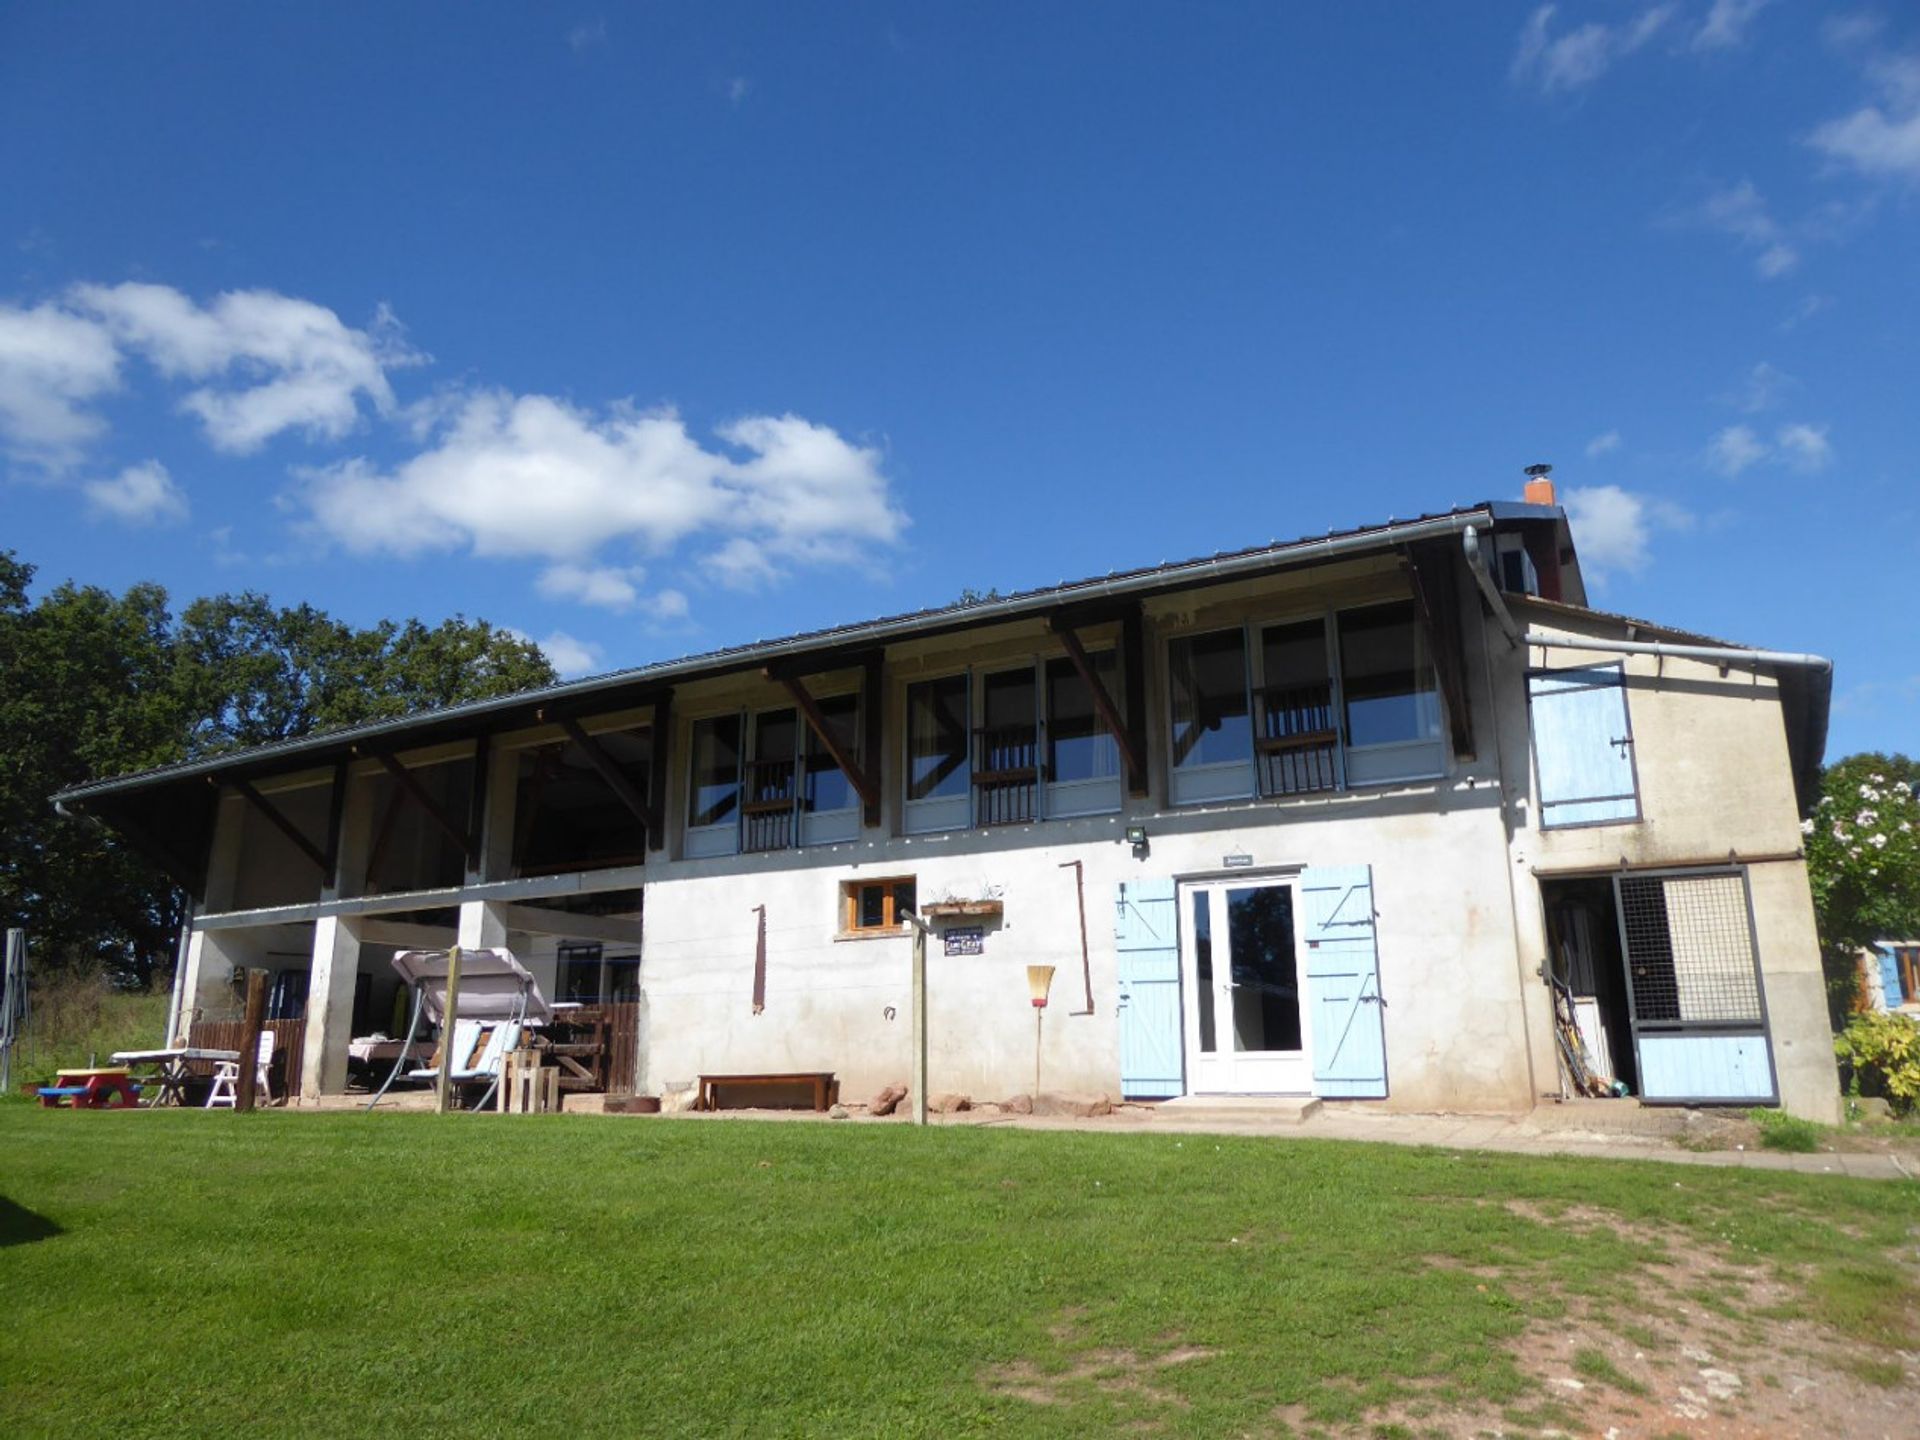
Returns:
(102, 1089)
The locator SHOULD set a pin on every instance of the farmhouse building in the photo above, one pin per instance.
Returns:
(1359, 816)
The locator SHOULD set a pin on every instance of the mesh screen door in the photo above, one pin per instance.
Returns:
(1693, 987)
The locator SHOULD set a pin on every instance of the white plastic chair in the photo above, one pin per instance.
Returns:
(226, 1076)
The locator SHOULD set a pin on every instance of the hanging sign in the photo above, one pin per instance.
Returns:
(1240, 861)
(965, 940)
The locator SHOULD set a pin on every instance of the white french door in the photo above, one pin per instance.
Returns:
(1241, 982)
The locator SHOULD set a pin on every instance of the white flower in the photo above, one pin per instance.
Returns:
(1806, 827)
(1878, 779)
(1866, 817)
(1879, 842)
(1906, 827)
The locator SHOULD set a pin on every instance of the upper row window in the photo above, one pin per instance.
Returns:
(1004, 747)
(1305, 706)
(768, 782)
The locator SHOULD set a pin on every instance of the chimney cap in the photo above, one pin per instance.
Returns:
(1539, 472)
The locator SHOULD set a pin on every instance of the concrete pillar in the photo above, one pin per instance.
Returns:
(207, 987)
(481, 926)
(336, 969)
(495, 861)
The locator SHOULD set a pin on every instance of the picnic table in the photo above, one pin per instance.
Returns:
(97, 1088)
(169, 1068)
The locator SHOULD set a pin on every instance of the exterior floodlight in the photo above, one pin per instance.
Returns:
(1136, 835)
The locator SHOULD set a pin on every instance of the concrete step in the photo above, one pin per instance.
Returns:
(1237, 1109)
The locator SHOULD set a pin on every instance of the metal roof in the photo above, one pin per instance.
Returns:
(450, 722)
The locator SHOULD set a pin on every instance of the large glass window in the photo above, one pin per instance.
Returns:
(770, 792)
(1078, 744)
(827, 786)
(715, 787)
(1006, 776)
(1298, 740)
(1208, 676)
(937, 738)
(1386, 677)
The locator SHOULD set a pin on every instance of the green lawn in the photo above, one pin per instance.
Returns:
(209, 1274)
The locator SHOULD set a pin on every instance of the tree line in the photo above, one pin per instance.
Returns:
(94, 684)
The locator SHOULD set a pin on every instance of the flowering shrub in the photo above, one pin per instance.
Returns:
(1883, 1054)
(1863, 859)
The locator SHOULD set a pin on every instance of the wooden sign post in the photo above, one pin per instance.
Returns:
(250, 1027)
(443, 1084)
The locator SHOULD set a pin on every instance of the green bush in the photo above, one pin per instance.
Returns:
(1882, 1054)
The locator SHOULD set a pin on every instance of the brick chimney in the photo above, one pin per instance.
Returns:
(1540, 485)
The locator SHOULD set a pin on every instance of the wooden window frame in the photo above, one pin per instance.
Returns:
(891, 922)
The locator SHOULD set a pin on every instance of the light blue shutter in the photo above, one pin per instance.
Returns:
(1582, 746)
(1890, 978)
(1343, 983)
(1146, 935)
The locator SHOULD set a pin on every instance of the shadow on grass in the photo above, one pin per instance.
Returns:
(21, 1226)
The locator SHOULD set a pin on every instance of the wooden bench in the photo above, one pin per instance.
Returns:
(825, 1088)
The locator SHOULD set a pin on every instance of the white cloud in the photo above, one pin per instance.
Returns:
(570, 656)
(1603, 444)
(52, 365)
(1801, 446)
(587, 35)
(308, 369)
(1726, 24)
(1762, 388)
(1613, 528)
(1741, 211)
(139, 495)
(741, 564)
(609, 586)
(530, 475)
(1578, 57)
(1805, 447)
(1735, 449)
(1880, 139)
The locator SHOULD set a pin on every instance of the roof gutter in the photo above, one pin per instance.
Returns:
(1213, 570)
(1717, 654)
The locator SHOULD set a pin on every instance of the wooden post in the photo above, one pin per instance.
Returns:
(250, 1028)
(919, 1020)
(443, 1084)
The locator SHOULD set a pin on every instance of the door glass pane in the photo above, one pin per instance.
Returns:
(1266, 983)
(1203, 967)
(1078, 745)
(827, 785)
(1208, 676)
(716, 771)
(1386, 677)
(937, 738)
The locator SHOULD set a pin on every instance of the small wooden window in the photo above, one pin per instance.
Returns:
(872, 907)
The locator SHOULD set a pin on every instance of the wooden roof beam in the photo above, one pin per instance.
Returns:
(403, 777)
(1131, 751)
(609, 770)
(856, 774)
(280, 822)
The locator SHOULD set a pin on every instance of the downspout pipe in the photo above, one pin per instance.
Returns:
(1483, 577)
(1715, 654)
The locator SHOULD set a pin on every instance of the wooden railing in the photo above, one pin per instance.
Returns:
(1006, 774)
(289, 1048)
(766, 805)
(1297, 740)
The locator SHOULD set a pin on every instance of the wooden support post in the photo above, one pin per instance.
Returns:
(477, 788)
(336, 808)
(603, 763)
(919, 1080)
(285, 826)
(250, 1027)
(659, 750)
(873, 704)
(855, 772)
(1117, 726)
(443, 1083)
(1430, 571)
(1133, 674)
(403, 777)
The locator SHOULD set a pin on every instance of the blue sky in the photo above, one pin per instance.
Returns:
(649, 329)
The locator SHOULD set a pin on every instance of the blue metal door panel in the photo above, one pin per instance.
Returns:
(1702, 1068)
(1343, 983)
(1147, 938)
(1583, 749)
